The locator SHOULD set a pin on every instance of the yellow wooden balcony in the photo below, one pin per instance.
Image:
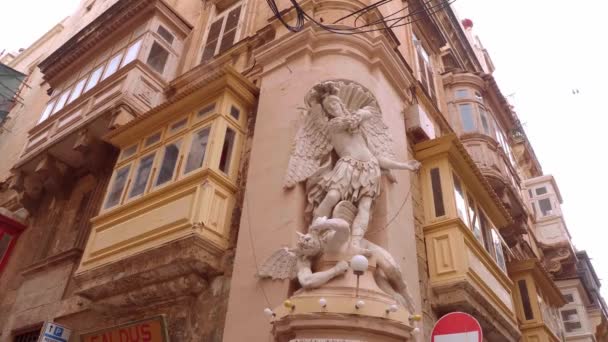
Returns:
(465, 251)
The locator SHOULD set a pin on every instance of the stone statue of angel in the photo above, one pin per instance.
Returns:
(323, 235)
(344, 119)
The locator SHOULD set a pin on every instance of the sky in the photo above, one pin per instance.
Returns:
(542, 51)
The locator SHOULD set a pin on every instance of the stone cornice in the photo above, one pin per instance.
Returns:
(101, 29)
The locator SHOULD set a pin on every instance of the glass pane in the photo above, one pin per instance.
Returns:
(131, 53)
(5, 241)
(46, 112)
(545, 206)
(158, 58)
(530, 193)
(119, 184)
(178, 125)
(484, 121)
(112, 66)
(62, 100)
(572, 326)
(525, 299)
(461, 206)
(165, 34)
(227, 150)
(569, 298)
(461, 93)
(486, 227)
(227, 40)
(235, 112)
(437, 193)
(141, 176)
(95, 76)
(198, 146)
(167, 167)
(153, 139)
(541, 191)
(500, 256)
(570, 315)
(474, 219)
(212, 40)
(206, 110)
(77, 90)
(128, 152)
(233, 19)
(466, 115)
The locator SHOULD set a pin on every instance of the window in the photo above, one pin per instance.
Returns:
(142, 175)
(198, 146)
(222, 33)
(30, 336)
(165, 34)
(437, 193)
(128, 152)
(474, 220)
(467, 118)
(151, 140)
(206, 110)
(424, 67)
(540, 191)
(545, 206)
(167, 167)
(499, 253)
(62, 100)
(95, 76)
(132, 52)
(77, 90)
(525, 299)
(461, 94)
(157, 59)
(112, 66)
(47, 111)
(461, 205)
(478, 96)
(178, 126)
(118, 185)
(569, 298)
(483, 115)
(572, 321)
(235, 112)
(227, 150)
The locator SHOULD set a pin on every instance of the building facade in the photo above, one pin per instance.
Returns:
(163, 152)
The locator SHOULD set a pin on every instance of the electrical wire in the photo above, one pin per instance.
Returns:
(302, 16)
(407, 196)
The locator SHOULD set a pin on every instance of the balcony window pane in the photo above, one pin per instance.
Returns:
(227, 150)
(142, 175)
(541, 191)
(47, 111)
(235, 112)
(525, 299)
(461, 93)
(128, 152)
(198, 146)
(206, 110)
(212, 40)
(500, 256)
(167, 167)
(95, 76)
(112, 66)
(474, 220)
(131, 53)
(461, 206)
(77, 90)
(151, 140)
(569, 298)
(571, 319)
(165, 34)
(484, 121)
(466, 115)
(178, 126)
(158, 58)
(545, 206)
(437, 193)
(120, 180)
(61, 101)
(5, 241)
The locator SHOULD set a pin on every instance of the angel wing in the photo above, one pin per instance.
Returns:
(310, 146)
(280, 265)
(377, 135)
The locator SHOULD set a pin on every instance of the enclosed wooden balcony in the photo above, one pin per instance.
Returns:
(137, 45)
(466, 254)
(168, 208)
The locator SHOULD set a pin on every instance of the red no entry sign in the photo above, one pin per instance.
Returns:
(457, 327)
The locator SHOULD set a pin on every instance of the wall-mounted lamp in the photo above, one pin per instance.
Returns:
(392, 308)
(359, 264)
(268, 312)
(359, 304)
(323, 302)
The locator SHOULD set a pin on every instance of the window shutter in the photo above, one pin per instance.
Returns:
(232, 22)
(212, 40)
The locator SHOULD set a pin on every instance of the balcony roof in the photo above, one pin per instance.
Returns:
(102, 28)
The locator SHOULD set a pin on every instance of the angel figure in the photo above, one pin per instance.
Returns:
(344, 118)
(288, 263)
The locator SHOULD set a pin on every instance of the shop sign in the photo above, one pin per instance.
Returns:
(147, 330)
(53, 332)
